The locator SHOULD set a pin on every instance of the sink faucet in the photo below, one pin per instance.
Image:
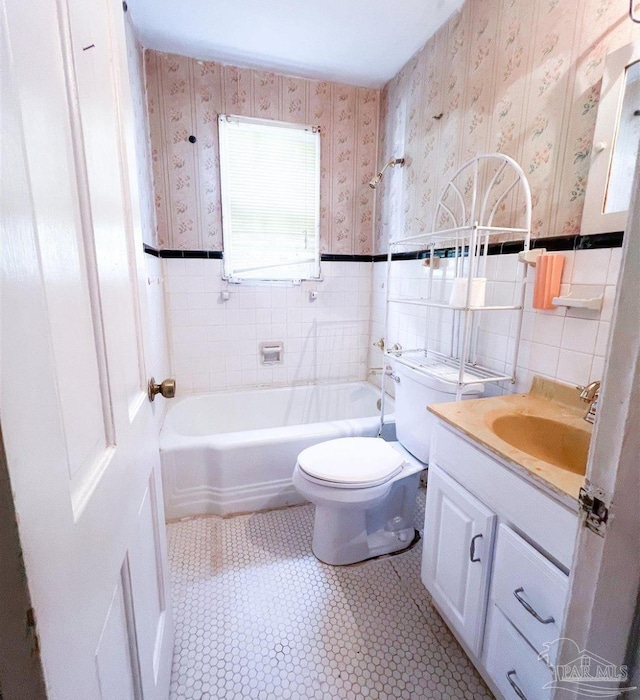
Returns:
(589, 394)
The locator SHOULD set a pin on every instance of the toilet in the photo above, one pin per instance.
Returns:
(364, 488)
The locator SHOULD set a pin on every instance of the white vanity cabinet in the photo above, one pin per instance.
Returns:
(497, 551)
(456, 560)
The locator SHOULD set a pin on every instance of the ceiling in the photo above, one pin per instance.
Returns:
(359, 42)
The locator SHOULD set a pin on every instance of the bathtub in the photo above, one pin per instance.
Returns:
(234, 452)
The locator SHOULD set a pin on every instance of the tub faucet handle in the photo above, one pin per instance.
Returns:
(167, 388)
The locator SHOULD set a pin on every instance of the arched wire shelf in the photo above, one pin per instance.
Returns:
(486, 201)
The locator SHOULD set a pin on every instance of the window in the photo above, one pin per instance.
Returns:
(270, 178)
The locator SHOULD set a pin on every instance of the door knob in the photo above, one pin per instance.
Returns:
(167, 388)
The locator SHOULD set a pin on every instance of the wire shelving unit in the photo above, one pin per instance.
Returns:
(487, 200)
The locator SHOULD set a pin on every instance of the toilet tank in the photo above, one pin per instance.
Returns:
(414, 392)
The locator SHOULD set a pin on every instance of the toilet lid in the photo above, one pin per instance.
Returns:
(354, 460)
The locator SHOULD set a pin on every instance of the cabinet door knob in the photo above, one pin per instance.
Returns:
(529, 609)
(514, 685)
(472, 548)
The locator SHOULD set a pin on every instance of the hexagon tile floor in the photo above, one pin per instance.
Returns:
(258, 616)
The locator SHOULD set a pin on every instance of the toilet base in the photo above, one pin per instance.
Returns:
(383, 555)
(346, 535)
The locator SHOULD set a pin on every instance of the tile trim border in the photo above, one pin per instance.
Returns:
(552, 243)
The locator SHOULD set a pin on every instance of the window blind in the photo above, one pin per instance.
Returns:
(270, 185)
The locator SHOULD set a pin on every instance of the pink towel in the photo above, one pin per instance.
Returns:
(548, 279)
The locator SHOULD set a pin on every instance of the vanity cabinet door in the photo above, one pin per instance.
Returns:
(458, 543)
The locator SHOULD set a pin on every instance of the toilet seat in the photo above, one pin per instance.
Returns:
(353, 462)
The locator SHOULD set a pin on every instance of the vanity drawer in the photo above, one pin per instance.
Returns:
(512, 664)
(529, 590)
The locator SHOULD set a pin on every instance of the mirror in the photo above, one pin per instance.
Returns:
(615, 143)
(625, 146)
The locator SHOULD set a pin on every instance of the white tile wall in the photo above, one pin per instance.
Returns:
(564, 343)
(215, 344)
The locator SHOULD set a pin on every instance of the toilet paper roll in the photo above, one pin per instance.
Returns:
(458, 297)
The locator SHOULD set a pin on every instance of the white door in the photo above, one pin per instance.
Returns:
(456, 560)
(604, 591)
(81, 437)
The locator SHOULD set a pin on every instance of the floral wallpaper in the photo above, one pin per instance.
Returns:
(142, 139)
(517, 76)
(185, 97)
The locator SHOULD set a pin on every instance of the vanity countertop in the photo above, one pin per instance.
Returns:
(548, 404)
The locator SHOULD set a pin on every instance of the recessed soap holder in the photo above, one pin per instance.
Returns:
(271, 352)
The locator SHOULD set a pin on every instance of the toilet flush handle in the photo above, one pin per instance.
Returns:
(390, 373)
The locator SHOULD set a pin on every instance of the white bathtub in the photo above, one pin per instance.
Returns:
(233, 452)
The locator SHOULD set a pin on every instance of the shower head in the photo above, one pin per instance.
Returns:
(389, 164)
(376, 181)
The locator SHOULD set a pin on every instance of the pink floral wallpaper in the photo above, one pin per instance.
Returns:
(185, 97)
(142, 140)
(517, 76)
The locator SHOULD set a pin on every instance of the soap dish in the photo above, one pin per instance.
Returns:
(593, 303)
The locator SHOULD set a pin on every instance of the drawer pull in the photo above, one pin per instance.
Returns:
(472, 549)
(529, 609)
(514, 685)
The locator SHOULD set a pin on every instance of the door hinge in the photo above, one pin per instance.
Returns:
(32, 633)
(594, 506)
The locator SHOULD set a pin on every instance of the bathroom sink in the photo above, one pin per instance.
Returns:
(565, 446)
(541, 433)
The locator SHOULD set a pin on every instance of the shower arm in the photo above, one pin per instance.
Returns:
(391, 163)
